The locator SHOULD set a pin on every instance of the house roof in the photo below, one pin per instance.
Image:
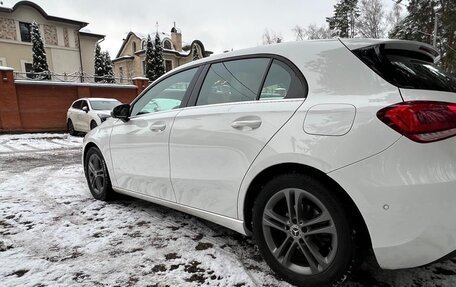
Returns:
(89, 34)
(186, 47)
(43, 13)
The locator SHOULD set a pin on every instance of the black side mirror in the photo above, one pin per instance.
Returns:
(121, 112)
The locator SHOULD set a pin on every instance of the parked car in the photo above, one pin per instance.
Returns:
(87, 113)
(321, 150)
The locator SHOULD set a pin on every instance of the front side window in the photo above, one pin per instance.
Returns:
(233, 81)
(84, 104)
(25, 29)
(166, 95)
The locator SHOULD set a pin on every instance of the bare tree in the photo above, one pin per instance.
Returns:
(300, 32)
(315, 32)
(372, 21)
(271, 37)
(395, 16)
(311, 32)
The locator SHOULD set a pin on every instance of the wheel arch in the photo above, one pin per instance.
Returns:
(265, 175)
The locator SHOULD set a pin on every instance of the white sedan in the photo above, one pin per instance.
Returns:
(321, 150)
(87, 113)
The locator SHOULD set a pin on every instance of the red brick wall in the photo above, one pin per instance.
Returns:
(42, 106)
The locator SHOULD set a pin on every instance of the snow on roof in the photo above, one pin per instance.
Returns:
(4, 68)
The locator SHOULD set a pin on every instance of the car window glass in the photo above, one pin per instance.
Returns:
(76, 105)
(278, 82)
(166, 95)
(84, 104)
(233, 81)
(104, 105)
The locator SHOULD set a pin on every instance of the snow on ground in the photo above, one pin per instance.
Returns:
(39, 141)
(53, 233)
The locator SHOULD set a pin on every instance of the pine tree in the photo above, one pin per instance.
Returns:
(157, 59)
(108, 72)
(39, 64)
(149, 72)
(418, 25)
(99, 69)
(343, 22)
(195, 55)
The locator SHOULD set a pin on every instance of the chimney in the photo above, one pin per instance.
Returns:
(176, 38)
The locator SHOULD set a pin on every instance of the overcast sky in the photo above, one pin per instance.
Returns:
(220, 25)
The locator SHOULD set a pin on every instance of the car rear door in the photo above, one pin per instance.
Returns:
(140, 146)
(237, 109)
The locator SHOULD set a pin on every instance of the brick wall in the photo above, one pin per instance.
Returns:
(28, 106)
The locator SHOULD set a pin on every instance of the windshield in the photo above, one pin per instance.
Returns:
(407, 70)
(99, 105)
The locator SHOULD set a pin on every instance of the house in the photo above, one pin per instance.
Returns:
(130, 60)
(68, 49)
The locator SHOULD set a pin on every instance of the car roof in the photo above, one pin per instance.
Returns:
(320, 45)
(98, 99)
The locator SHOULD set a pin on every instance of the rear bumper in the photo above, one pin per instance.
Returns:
(407, 196)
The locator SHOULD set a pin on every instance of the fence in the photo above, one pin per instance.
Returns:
(76, 77)
(41, 106)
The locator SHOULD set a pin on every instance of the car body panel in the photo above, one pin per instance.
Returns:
(210, 156)
(141, 162)
(406, 195)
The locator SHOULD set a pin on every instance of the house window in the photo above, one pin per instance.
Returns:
(167, 45)
(25, 29)
(28, 70)
(134, 47)
(144, 67)
(121, 73)
(168, 65)
(2, 61)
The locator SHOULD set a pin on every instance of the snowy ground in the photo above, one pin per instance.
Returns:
(53, 233)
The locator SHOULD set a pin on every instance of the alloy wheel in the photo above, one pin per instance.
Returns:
(299, 231)
(97, 174)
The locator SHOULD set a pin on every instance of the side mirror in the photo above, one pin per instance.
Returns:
(121, 112)
(85, 109)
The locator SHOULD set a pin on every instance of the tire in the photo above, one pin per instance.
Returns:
(70, 128)
(317, 246)
(97, 175)
(93, 124)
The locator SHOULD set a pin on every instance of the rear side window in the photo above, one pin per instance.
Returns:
(76, 105)
(278, 82)
(406, 69)
(233, 81)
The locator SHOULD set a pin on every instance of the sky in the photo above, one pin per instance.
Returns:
(219, 25)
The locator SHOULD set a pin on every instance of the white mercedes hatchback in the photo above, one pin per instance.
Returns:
(321, 150)
(87, 113)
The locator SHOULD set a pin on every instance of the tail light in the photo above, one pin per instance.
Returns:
(421, 121)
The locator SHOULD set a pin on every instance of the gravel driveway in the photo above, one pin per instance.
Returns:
(53, 233)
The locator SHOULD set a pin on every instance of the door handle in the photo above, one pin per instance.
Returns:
(246, 124)
(158, 127)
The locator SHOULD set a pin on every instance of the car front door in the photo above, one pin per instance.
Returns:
(239, 107)
(84, 117)
(140, 146)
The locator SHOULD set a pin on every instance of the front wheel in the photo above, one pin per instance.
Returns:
(97, 175)
(303, 232)
(70, 128)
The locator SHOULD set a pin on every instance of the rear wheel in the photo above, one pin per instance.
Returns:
(97, 175)
(70, 128)
(302, 232)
